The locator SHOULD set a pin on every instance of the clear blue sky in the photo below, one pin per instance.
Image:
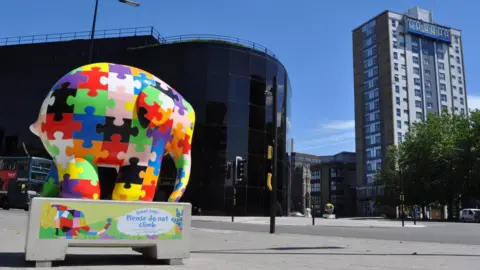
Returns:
(311, 37)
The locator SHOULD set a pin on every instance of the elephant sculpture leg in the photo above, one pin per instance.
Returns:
(128, 186)
(51, 188)
(183, 173)
(80, 180)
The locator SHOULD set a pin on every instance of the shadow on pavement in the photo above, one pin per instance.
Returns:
(304, 248)
(17, 259)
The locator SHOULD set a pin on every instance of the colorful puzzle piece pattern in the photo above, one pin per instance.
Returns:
(70, 223)
(106, 114)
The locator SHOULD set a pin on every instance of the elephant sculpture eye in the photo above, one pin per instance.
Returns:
(191, 126)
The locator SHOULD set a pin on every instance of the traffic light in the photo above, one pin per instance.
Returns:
(228, 170)
(269, 166)
(240, 168)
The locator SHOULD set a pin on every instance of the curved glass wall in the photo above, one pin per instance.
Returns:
(226, 86)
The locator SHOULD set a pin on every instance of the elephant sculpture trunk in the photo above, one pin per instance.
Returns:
(118, 116)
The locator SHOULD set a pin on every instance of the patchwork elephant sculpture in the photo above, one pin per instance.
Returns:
(118, 116)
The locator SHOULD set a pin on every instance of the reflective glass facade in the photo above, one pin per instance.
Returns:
(226, 85)
(372, 102)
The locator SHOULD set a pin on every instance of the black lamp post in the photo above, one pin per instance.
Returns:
(273, 197)
(92, 34)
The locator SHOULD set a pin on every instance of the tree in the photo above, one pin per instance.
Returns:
(389, 177)
(437, 162)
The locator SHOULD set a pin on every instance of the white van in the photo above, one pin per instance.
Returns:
(470, 214)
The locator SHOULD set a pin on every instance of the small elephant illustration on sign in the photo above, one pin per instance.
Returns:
(114, 115)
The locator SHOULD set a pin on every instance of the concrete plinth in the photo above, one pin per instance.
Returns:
(329, 216)
(158, 230)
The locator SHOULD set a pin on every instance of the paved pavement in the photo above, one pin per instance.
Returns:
(433, 232)
(230, 249)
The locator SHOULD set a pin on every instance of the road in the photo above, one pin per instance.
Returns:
(433, 232)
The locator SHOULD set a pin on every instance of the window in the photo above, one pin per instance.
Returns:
(404, 66)
(418, 104)
(404, 77)
(428, 83)
(416, 81)
(399, 136)
(460, 80)
(444, 107)
(415, 60)
(399, 112)
(396, 77)
(419, 115)
(440, 55)
(427, 72)
(461, 101)
(397, 99)
(457, 50)
(395, 66)
(456, 39)
(428, 94)
(459, 70)
(370, 41)
(395, 55)
(393, 23)
(443, 97)
(426, 61)
(457, 59)
(418, 92)
(416, 70)
(394, 44)
(443, 87)
(397, 89)
(399, 124)
(429, 105)
(441, 76)
(462, 111)
(441, 66)
(460, 90)
(405, 111)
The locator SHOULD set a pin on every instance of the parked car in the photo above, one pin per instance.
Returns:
(470, 215)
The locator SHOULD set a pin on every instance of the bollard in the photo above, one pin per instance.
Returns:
(313, 215)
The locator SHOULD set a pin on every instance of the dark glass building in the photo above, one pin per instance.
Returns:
(226, 80)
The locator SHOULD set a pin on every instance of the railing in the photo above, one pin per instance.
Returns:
(99, 34)
(218, 39)
(137, 31)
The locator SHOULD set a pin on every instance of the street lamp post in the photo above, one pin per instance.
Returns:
(402, 199)
(273, 195)
(92, 34)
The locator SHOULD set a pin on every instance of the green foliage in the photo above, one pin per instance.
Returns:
(437, 162)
